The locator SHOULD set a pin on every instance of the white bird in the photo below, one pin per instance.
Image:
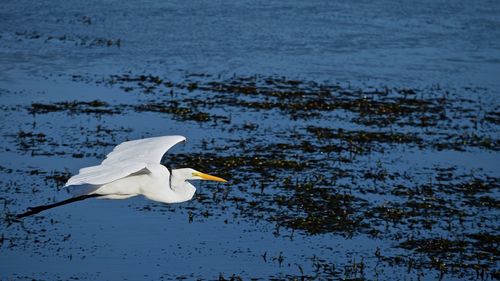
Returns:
(133, 168)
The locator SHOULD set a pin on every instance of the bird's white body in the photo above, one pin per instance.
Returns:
(133, 168)
(154, 185)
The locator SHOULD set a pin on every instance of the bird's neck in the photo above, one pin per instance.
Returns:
(183, 190)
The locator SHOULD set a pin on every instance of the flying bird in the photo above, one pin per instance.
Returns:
(133, 168)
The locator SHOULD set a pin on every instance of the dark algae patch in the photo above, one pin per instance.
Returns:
(334, 203)
(476, 252)
(73, 107)
(390, 115)
(314, 178)
(77, 40)
(315, 210)
(97, 107)
(311, 160)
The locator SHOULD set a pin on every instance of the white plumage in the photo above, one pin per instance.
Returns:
(133, 168)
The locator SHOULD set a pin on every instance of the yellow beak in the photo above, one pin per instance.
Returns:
(208, 177)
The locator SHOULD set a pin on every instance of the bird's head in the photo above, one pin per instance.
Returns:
(191, 174)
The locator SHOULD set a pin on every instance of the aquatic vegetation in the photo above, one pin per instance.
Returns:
(77, 40)
(310, 159)
(74, 107)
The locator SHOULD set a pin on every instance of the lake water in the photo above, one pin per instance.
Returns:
(360, 138)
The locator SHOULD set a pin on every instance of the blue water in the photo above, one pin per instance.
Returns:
(359, 44)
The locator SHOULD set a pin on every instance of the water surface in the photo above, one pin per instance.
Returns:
(360, 139)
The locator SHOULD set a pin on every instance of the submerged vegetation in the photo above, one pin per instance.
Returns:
(318, 159)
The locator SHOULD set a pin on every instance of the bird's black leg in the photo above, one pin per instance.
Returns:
(35, 210)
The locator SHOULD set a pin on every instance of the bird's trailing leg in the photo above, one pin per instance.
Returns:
(35, 210)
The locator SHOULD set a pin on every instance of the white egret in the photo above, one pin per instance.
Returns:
(133, 168)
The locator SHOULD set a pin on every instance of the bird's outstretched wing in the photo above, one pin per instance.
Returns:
(148, 150)
(102, 174)
(127, 158)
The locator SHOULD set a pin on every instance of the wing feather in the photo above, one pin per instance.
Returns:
(102, 174)
(148, 150)
(127, 158)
